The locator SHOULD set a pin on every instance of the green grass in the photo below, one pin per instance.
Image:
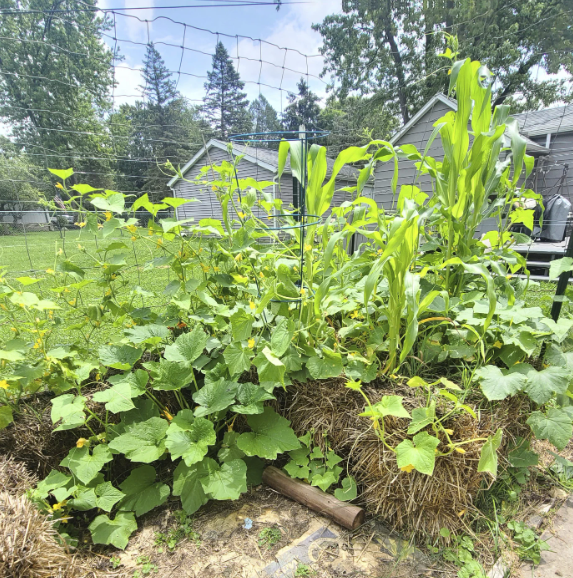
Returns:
(32, 254)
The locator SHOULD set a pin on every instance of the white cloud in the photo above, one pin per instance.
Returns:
(293, 30)
(137, 30)
(129, 79)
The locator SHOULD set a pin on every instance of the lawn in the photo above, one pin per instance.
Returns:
(34, 253)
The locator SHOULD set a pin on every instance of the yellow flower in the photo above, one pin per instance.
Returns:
(407, 468)
(82, 224)
(4, 384)
(72, 302)
(498, 344)
(251, 343)
(354, 314)
(241, 215)
(59, 505)
(167, 415)
(61, 252)
(204, 267)
(460, 514)
(133, 238)
(460, 450)
(450, 432)
(239, 257)
(81, 442)
(2, 306)
(108, 292)
(302, 290)
(261, 275)
(108, 216)
(252, 305)
(150, 232)
(13, 329)
(216, 269)
(59, 186)
(50, 271)
(131, 228)
(308, 247)
(99, 226)
(213, 188)
(159, 242)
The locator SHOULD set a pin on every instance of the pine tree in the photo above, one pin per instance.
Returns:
(164, 128)
(225, 105)
(303, 108)
(264, 116)
(159, 88)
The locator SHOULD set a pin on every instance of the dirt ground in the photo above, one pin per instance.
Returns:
(309, 545)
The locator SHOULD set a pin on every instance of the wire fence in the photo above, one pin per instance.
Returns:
(31, 236)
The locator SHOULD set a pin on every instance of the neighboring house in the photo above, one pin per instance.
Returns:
(551, 128)
(418, 130)
(17, 215)
(259, 163)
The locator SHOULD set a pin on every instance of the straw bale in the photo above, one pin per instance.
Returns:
(415, 502)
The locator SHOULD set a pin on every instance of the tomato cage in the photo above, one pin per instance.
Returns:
(298, 148)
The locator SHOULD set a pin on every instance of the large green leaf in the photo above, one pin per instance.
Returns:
(119, 356)
(237, 359)
(250, 398)
(559, 266)
(330, 365)
(555, 426)
(419, 453)
(224, 482)
(107, 496)
(142, 492)
(498, 384)
(242, 325)
(187, 485)
(281, 337)
(6, 417)
(189, 437)
(116, 398)
(349, 490)
(271, 435)
(143, 333)
(86, 466)
(214, 396)
(114, 202)
(187, 347)
(541, 385)
(143, 441)
(422, 417)
(69, 409)
(115, 532)
(488, 457)
(170, 375)
(388, 405)
(271, 369)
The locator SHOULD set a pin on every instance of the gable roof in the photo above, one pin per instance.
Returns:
(531, 146)
(263, 157)
(545, 121)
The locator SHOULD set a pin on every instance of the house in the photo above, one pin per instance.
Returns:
(259, 163)
(418, 129)
(551, 128)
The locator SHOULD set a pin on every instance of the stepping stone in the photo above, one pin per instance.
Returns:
(558, 561)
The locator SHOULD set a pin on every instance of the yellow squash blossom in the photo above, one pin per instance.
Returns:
(82, 224)
(81, 442)
(131, 228)
(4, 384)
(252, 305)
(108, 215)
(407, 468)
(59, 186)
(251, 343)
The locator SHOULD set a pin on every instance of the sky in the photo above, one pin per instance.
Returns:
(289, 28)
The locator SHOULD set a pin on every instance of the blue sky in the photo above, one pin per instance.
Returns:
(290, 28)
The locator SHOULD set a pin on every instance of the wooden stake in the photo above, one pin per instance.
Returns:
(342, 513)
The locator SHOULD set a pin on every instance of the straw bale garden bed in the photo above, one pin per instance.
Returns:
(410, 376)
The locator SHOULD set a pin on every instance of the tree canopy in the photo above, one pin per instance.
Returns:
(392, 49)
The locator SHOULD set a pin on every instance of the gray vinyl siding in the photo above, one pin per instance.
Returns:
(208, 206)
(550, 168)
(418, 135)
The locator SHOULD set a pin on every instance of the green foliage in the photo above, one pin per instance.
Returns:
(269, 537)
(183, 530)
(162, 389)
(529, 543)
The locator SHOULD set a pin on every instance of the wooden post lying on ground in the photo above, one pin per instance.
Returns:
(342, 513)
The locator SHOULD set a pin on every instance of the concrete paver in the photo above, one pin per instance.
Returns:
(558, 561)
